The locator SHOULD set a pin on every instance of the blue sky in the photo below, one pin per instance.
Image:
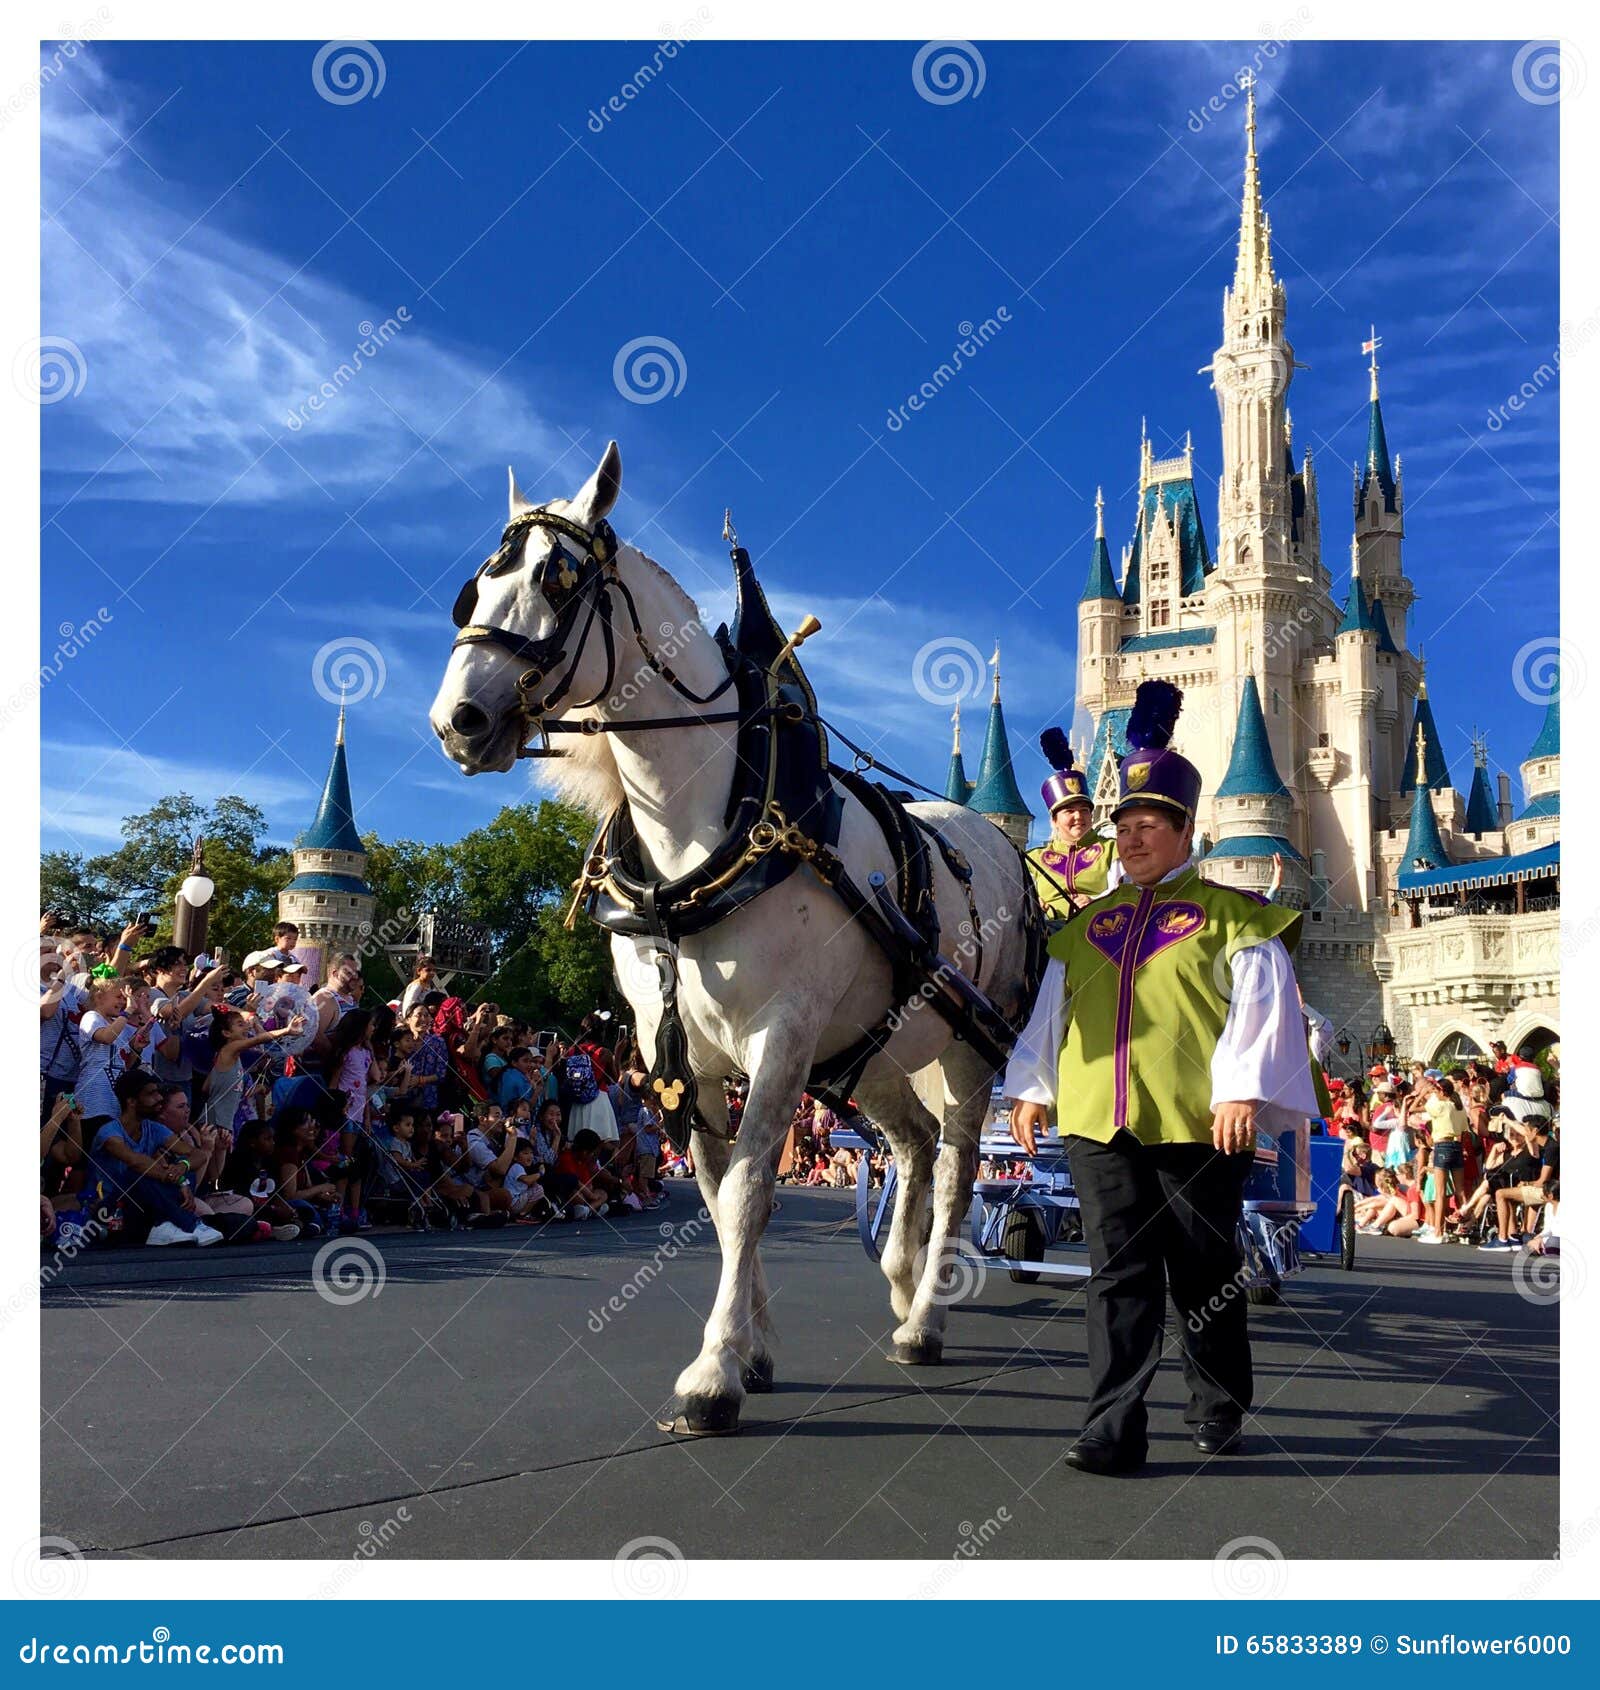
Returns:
(810, 234)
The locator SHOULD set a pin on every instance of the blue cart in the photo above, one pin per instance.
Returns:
(1014, 1221)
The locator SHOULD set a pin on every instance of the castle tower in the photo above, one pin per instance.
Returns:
(329, 898)
(1350, 854)
(1254, 811)
(1250, 373)
(1380, 514)
(1482, 813)
(1540, 821)
(995, 794)
(1169, 558)
(957, 788)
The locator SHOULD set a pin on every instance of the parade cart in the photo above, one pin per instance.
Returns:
(1026, 1206)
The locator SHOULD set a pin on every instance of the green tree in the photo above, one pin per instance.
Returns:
(145, 871)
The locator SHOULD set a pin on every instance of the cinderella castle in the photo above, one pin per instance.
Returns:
(1432, 917)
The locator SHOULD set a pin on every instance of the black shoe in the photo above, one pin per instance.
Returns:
(1094, 1455)
(1219, 1437)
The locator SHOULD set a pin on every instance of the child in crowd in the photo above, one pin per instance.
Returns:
(579, 1183)
(522, 1185)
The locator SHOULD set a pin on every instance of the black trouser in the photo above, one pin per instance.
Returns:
(1158, 1218)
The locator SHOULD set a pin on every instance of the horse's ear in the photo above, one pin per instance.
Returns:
(520, 502)
(599, 493)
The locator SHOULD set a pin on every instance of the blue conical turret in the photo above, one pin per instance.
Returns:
(957, 788)
(1424, 848)
(334, 828)
(1483, 816)
(1102, 584)
(1377, 467)
(995, 793)
(1437, 770)
(1252, 772)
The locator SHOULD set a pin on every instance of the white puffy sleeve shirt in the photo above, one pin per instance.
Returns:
(1260, 1058)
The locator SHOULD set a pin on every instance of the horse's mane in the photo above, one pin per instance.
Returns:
(588, 776)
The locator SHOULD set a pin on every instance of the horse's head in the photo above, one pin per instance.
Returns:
(534, 638)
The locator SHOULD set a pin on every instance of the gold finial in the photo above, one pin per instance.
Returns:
(1099, 513)
(994, 663)
(955, 740)
(1422, 756)
(728, 533)
(338, 733)
(1422, 674)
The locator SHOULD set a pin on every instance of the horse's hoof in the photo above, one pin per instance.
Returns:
(701, 1417)
(758, 1376)
(926, 1352)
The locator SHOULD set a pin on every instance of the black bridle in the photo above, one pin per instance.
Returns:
(575, 585)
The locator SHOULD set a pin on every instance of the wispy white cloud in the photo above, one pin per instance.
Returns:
(201, 343)
(89, 786)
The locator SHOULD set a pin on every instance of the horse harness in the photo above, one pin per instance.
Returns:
(785, 808)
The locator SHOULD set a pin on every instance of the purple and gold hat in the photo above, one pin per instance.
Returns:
(1067, 784)
(1152, 772)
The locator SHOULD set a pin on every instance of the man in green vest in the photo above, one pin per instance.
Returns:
(1072, 867)
(1167, 1033)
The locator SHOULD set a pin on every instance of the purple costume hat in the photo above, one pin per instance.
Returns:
(1153, 773)
(1067, 785)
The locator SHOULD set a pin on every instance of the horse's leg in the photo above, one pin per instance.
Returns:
(711, 1387)
(712, 1154)
(911, 1129)
(967, 1082)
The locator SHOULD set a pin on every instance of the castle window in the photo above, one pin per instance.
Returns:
(1322, 742)
(1277, 703)
(1160, 614)
(321, 899)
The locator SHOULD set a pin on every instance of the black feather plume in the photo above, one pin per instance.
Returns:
(1154, 715)
(1057, 753)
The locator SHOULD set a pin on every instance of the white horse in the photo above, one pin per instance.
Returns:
(784, 982)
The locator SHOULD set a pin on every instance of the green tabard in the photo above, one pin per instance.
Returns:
(1148, 987)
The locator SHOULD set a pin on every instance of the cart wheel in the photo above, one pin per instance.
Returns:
(1347, 1230)
(1263, 1295)
(1023, 1240)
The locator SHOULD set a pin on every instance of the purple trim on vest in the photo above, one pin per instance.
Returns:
(1122, 1049)
(1070, 864)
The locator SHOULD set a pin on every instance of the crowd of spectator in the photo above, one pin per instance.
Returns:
(186, 1101)
(1472, 1157)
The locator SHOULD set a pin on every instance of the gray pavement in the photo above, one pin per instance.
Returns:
(487, 1402)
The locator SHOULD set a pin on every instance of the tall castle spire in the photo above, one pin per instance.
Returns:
(1253, 272)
